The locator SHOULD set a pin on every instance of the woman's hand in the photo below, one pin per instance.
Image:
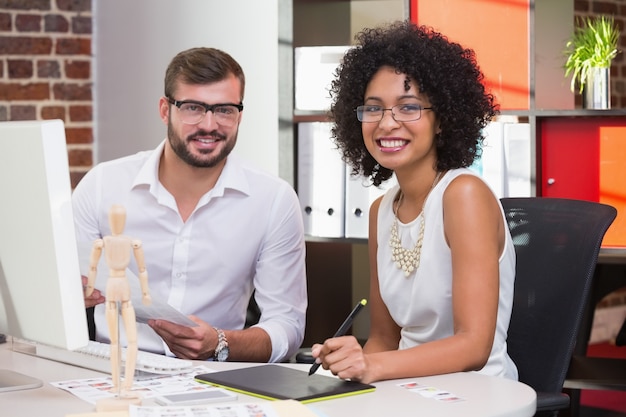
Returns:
(344, 357)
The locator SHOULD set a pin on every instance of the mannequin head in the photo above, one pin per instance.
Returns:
(117, 219)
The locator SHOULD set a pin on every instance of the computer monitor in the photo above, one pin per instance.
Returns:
(41, 297)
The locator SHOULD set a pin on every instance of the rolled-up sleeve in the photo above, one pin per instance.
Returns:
(280, 279)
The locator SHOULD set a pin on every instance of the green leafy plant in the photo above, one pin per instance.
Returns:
(593, 45)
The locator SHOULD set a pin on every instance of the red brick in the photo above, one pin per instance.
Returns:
(78, 69)
(76, 176)
(56, 23)
(53, 112)
(73, 46)
(603, 7)
(78, 135)
(25, 4)
(5, 22)
(71, 92)
(20, 112)
(581, 5)
(48, 69)
(20, 68)
(22, 45)
(80, 157)
(15, 91)
(81, 25)
(74, 5)
(81, 113)
(28, 23)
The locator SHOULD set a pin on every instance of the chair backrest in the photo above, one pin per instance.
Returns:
(557, 243)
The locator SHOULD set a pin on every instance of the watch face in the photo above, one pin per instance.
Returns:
(222, 355)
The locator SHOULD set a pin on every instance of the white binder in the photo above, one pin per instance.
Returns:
(491, 163)
(321, 181)
(517, 159)
(314, 71)
(506, 157)
(360, 194)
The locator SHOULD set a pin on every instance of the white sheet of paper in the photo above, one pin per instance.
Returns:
(94, 389)
(159, 309)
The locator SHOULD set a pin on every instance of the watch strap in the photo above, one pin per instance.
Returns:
(222, 344)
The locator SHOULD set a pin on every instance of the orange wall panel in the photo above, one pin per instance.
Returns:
(498, 31)
(613, 180)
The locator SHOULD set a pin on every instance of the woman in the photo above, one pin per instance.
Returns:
(410, 102)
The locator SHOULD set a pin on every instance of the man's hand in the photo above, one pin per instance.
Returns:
(92, 296)
(187, 342)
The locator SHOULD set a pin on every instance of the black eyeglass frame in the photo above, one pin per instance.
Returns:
(393, 115)
(207, 107)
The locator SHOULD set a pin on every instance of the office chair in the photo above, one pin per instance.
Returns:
(557, 243)
(253, 313)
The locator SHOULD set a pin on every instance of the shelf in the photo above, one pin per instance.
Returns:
(307, 116)
(347, 240)
(580, 113)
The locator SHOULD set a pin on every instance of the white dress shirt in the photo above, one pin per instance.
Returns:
(245, 234)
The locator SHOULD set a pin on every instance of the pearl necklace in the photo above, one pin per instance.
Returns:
(408, 260)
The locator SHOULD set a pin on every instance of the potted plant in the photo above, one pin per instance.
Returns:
(590, 51)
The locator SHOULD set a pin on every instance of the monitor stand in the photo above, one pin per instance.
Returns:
(13, 381)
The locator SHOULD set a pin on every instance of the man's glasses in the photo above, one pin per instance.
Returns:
(399, 112)
(192, 112)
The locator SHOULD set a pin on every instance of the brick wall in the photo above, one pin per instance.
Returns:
(45, 69)
(46, 61)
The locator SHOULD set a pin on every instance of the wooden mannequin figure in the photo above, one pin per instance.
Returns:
(117, 248)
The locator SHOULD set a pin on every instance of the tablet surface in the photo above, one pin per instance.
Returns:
(276, 382)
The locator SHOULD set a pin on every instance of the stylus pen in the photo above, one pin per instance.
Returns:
(343, 329)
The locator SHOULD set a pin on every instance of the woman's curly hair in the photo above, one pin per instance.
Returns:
(444, 71)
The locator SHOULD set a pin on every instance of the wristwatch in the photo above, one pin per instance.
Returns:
(221, 350)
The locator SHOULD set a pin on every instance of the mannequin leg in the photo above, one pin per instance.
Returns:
(113, 323)
(130, 325)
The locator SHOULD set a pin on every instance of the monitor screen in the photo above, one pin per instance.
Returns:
(41, 297)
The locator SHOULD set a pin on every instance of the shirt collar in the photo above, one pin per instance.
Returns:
(149, 172)
(232, 177)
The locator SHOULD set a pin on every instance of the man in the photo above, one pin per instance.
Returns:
(214, 230)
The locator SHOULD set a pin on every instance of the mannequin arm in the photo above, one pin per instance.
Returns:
(143, 272)
(96, 252)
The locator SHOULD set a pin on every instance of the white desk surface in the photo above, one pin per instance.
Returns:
(483, 396)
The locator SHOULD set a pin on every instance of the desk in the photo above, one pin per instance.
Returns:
(610, 255)
(484, 396)
(610, 275)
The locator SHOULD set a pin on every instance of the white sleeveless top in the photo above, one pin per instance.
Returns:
(422, 303)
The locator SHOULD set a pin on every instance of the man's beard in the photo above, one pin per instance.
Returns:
(179, 146)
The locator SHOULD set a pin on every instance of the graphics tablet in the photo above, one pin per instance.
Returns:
(276, 382)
